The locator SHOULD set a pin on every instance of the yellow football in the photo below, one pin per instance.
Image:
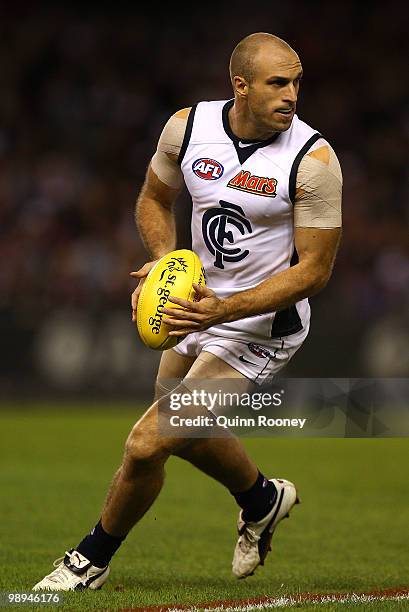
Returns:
(173, 275)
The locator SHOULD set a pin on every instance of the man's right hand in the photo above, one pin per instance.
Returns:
(141, 274)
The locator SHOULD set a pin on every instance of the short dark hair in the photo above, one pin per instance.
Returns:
(242, 59)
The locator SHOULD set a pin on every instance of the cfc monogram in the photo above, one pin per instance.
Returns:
(215, 222)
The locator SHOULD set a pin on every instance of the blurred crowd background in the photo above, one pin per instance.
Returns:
(83, 97)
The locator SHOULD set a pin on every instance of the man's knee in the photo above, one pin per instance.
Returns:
(145, 446)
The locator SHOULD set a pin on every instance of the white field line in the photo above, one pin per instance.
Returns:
(284, 602)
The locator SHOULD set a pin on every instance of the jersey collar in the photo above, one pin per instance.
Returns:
(244, 147)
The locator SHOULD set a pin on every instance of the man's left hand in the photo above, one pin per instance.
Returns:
(195, 316)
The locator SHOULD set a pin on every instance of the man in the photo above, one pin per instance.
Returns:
(266, 191)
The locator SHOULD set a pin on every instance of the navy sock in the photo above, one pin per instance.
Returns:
(257, 501)
(99, 547)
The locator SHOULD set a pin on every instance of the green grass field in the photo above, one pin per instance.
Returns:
(350, 532)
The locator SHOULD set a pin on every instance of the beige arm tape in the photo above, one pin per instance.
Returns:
(164, 163)
(319, 189)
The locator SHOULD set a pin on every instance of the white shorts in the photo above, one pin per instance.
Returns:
(258, 362)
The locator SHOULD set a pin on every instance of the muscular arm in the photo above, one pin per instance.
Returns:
(153, 214)
(316, 250)
(154, 208)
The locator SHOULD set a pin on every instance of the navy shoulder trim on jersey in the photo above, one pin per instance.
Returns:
(296, 163)
(287, 321)
(188, 133)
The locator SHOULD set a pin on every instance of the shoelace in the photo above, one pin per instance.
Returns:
(60, 575)
(248, 539)
(62, 572)
(251, 536)
(59, 560)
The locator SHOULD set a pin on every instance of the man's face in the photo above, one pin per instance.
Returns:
(272, 94)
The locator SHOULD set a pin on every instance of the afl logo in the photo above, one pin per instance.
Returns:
(207, 169)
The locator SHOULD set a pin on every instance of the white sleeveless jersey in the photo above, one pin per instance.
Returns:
(242, 217)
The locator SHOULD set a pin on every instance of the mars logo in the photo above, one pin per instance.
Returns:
(259, 185)
(215, 233)
(259, 351)
(207, 169)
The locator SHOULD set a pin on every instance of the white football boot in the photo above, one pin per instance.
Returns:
(74, 573)
(254, 540)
